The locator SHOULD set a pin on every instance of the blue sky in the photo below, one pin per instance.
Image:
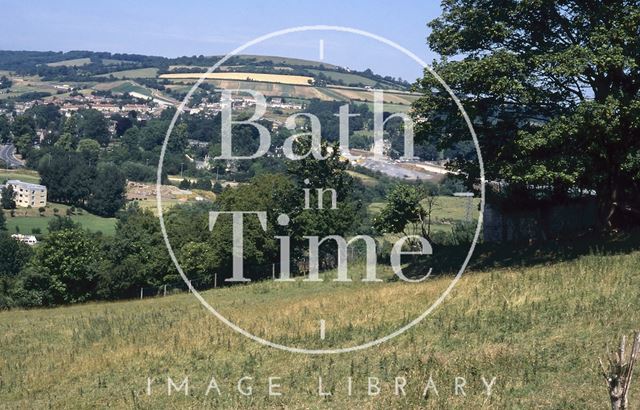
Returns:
(174, 28)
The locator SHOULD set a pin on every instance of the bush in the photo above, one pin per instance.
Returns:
(461, 234)
(139, 172)
(204, 184)
(184, 184)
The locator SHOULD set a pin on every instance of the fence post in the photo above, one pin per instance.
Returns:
(273, 271)
(215, 280)
(141, 293)
(165, 290)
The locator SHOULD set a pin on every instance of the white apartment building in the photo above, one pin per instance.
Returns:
(28, 195)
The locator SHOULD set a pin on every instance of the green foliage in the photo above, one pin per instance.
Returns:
(66, 142)
(408, 210)
(45, 116)
(61, 223)
(274, 194)
(89, 146)
(137, 256)
(202, 183)
(65, 267)
(8, 197)
(5, 82)
(23, 125)
(327, 174)
(5, 129)
(76, 178)
(93, 125)
(462, 233)
(14, 255)
(552, 89)
(135, 171)
(108, 193)
(184, 184)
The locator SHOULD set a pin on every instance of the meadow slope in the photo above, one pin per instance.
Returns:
(538, 330)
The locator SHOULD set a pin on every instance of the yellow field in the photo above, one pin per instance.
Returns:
(298, 91)
(221, 68)
(367, 95)
(269, 78)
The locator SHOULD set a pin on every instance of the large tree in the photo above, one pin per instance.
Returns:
(93, 125)
(108, 193)
(552, 88)
(408, 210)
(7, 199)
(65, 268)
(137, 255)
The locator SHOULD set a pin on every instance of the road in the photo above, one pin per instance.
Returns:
(7, 156)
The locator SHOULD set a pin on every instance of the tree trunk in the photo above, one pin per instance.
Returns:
(612, 205)
(608, 196)
(619, 374)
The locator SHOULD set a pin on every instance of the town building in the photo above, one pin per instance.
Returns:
(27, 194)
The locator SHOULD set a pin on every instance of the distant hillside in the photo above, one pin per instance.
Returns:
(99, 66)
(44, 74)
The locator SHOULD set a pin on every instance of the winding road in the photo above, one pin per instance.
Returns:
(7, 155)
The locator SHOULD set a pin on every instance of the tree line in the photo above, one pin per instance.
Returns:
(73, 265)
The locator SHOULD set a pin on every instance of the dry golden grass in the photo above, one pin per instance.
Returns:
(269, 78)
(537, 329)
(390, 97)
(268, 89)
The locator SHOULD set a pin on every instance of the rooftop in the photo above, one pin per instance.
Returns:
(26, 185)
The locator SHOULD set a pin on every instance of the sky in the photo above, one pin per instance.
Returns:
(177, 28)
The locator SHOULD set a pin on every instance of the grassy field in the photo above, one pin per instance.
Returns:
(269, 78)
(394, 101)
(393, 98)
(269, 89)
(128, 87)
(20, 174)
(287, 61)
(446, 210)
(392, 108)
(110, 61)
(71, 63)
(537, 330)
(348, 78)
(24, 85)
(26, 220)
(135, 73)
(369, 181)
